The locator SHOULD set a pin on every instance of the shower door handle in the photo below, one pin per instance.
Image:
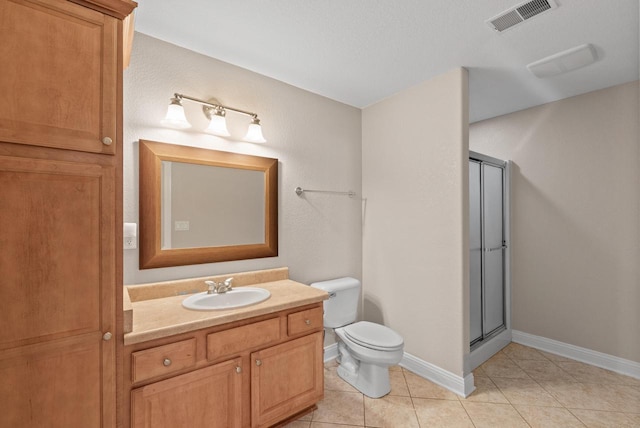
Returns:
(502, 247)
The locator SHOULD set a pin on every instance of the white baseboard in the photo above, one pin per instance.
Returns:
(595, 358)
(330, 352)
(456, 384)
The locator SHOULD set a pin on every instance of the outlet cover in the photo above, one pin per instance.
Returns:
(129, 243)
(182, 225)
(130, 236)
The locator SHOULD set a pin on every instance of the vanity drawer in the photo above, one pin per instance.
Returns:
(163, 360)
(304, 321)
(235, 340)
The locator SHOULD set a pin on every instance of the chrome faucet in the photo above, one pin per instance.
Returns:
(219, 287)
(225, 286)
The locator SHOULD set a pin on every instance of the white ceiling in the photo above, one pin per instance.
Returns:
(361, 51)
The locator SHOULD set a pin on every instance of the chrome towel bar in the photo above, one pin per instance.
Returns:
(300, 191)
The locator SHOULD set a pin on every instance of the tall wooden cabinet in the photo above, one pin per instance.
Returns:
(60, 211)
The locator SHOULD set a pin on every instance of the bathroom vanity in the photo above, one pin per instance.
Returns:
(253, 366)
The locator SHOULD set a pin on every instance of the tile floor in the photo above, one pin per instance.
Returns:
(518, 387)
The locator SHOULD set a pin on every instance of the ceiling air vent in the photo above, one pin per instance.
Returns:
(520, 13)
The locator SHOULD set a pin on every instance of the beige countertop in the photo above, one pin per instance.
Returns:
(165, 316)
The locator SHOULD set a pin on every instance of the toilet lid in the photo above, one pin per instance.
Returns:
(375, 336)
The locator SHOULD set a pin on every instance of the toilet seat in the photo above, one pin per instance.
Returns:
(374, 336)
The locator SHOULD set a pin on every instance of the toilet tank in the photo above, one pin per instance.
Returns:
(342, 306)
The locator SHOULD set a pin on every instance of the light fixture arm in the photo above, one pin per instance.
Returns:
(215, 106)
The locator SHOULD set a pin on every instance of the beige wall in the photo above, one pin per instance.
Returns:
(317, 142)
(415, 266)
(575, 217)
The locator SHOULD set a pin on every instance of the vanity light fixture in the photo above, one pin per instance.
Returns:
(175, 115)
(216, 114)
(218, 123)
(254, 133)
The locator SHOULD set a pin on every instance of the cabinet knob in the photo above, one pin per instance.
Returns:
(107, 336)
(307, 322)
(258, 362)
(166, 362)
(107, 141)
(238, 369)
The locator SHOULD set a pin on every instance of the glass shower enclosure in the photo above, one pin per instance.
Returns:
(488, 248)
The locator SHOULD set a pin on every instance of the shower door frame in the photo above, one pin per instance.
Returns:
(484, 347)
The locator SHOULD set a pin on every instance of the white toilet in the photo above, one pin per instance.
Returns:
(366, 350)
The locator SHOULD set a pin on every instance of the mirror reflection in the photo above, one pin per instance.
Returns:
(211, 206)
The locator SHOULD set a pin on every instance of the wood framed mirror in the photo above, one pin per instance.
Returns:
(205, 206)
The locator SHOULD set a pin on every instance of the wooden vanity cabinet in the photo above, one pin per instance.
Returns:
(285, 379)
(60, 211)
(210, 397)
(256, 373)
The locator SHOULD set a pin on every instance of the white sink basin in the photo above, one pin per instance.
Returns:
(236, 298)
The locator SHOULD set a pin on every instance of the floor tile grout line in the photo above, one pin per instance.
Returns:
(507, 398)
(364, 412)
(550, 393)
(413, 404)
(518, 412)
(468, 415)
(555, 363)
(416, 410)
(513, 360)
(543, 388)
(576, 416)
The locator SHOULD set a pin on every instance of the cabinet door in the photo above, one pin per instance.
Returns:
(206, 398)
(59, 75)
(286, 379)
(54, 384)
(58, 293)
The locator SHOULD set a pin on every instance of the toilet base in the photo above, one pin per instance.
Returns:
(370, 379)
